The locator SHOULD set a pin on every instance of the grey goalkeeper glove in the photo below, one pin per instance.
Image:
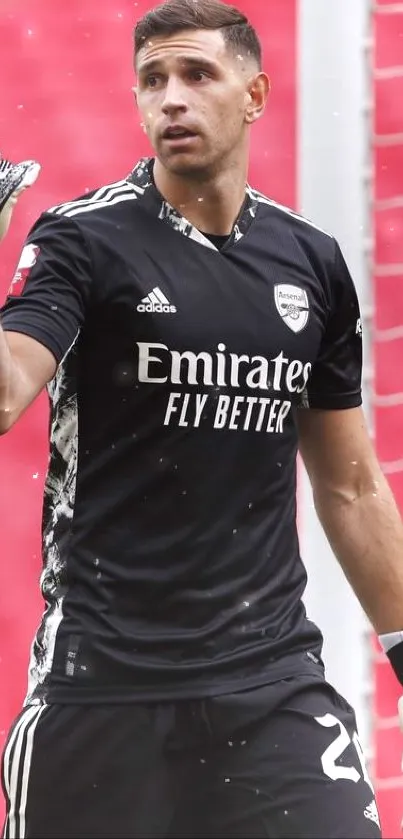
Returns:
(14, 178)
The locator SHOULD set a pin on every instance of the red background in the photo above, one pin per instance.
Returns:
(388, 346)
(68, 104)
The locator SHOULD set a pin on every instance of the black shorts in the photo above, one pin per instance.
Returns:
(279, 761)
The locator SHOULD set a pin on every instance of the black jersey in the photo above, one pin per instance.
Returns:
(170, 549)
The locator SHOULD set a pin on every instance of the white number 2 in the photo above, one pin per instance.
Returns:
(335, 751)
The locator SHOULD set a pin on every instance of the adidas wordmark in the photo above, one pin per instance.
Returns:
(156, 302)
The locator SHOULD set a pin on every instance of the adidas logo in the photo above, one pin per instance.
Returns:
(156, 302)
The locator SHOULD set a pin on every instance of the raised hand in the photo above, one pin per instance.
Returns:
(14, 178)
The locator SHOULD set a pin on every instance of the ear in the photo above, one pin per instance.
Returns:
(257, 95)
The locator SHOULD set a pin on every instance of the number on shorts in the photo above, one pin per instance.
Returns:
(335, 751)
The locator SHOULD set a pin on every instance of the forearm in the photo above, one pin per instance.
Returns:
(7, 383)
(366, 533)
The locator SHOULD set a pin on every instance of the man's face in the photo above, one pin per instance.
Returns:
(194, 99)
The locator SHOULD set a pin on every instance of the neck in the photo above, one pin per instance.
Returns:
(210, 204)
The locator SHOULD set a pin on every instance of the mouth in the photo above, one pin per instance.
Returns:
(178, 134)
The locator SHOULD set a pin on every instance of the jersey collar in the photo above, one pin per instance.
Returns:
(142, 180)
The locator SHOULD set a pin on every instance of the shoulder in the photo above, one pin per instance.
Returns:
(89, 219)
(288, 218)
(106, 199)
(308, 243)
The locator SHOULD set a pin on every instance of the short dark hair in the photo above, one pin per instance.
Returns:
(174, 16)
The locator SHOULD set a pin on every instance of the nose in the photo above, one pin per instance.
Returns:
(174, 99)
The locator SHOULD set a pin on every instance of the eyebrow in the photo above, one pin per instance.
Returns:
(188, 61)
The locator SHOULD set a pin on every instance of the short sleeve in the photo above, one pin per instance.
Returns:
(50, 291)
(336, 376)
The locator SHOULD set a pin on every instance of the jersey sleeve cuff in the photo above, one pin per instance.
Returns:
(334, 402)
(33, 332)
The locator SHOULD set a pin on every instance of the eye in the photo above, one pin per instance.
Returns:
(152, 80)
(198, 75)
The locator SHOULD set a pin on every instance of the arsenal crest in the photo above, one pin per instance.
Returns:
(292, 305)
